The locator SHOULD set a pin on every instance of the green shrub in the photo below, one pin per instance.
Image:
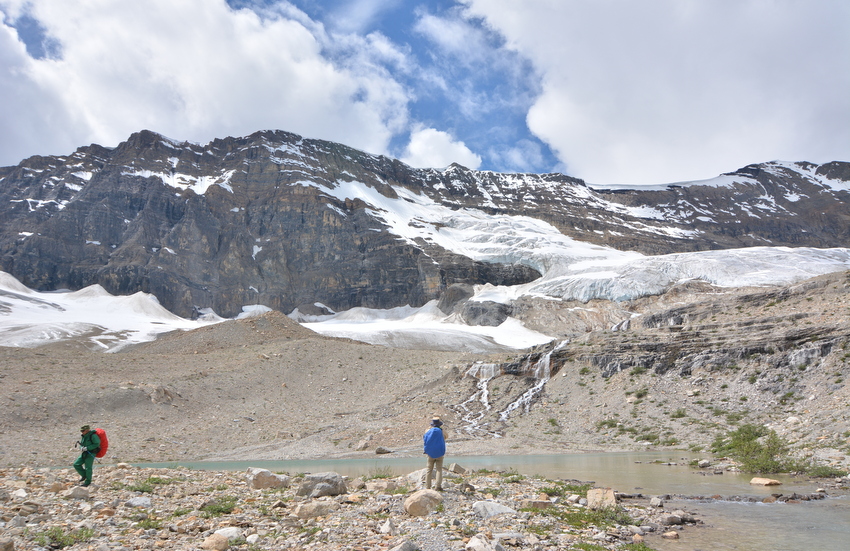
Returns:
(824, 471)
(636, 547)
(564, 489)
(218, 507)
(142, 487)
(584, 546)
(581, 518)
(380, 472)
(758, 449)
(57, 538)
(150, 523)
(679, 413)
(606, 424)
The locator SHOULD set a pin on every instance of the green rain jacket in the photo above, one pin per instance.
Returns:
(90, 441)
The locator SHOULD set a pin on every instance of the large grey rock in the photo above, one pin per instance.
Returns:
(260, 479)
(230, 532)
(143, 502)
(78, 492)
(485, 313)
(322, 484)
(406, 545)
(487, 509)
(454, 296)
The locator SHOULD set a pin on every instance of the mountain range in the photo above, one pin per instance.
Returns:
(311, 228)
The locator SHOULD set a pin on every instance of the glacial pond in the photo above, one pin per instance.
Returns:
(728, 525)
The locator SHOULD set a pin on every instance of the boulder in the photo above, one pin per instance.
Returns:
(486, 313)
(260, 479)
(389, 528)
(487, 509)
(313, 509)
(422, 502)
(536, 504)
(322, 484)
(230, 532)
(78, 492)
(601, 498)
(380, 450)
(381, 485)
(216, 542)
(143, 502)
(406, 545)
(454, 295)
(7, 544)
(758, 481)
(479, 542)
(671, 520)
(457, 469)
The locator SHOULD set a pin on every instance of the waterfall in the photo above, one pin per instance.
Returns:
(473, 410)
(483, 373)
(542, 372)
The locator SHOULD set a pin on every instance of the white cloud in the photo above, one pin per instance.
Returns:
(454, 35)
(194, 70)
(672, 90)
(430, 148)
(356, 15)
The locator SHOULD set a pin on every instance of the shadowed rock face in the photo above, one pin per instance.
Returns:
(252, 221)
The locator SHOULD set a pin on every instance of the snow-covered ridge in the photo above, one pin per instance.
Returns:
(31, 318)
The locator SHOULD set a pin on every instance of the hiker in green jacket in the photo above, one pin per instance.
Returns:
(90, 444)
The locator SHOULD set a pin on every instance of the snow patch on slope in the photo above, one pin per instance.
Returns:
(31, 318)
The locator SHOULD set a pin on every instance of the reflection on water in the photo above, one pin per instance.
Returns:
(822, 525)
(817, 525)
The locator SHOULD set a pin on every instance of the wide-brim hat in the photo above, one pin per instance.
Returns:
(435, 422)
(85, 428)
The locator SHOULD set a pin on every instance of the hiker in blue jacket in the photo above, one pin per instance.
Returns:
(90, 444)
(435, 448)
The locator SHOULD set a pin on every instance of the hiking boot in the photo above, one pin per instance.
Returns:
(84, 484)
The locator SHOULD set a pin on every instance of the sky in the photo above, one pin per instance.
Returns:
(611, 91)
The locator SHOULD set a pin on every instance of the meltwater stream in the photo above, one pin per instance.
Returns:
(477, 406)
(728, 525)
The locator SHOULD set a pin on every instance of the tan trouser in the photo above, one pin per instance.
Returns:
(438, 463)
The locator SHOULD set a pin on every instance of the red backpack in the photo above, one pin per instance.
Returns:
(104, 443)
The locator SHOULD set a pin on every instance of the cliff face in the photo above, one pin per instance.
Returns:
(252, 220)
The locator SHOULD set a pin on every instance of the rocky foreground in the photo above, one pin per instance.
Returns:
(142, 508)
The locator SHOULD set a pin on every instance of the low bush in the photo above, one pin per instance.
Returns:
(218, 507)
(756, 448)
(57, 538)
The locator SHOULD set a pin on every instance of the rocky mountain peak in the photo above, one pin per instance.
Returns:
(277, 219)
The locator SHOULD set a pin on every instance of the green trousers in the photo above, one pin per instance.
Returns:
(85, 466)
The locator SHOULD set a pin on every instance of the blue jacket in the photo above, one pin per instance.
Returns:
(435, 443)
